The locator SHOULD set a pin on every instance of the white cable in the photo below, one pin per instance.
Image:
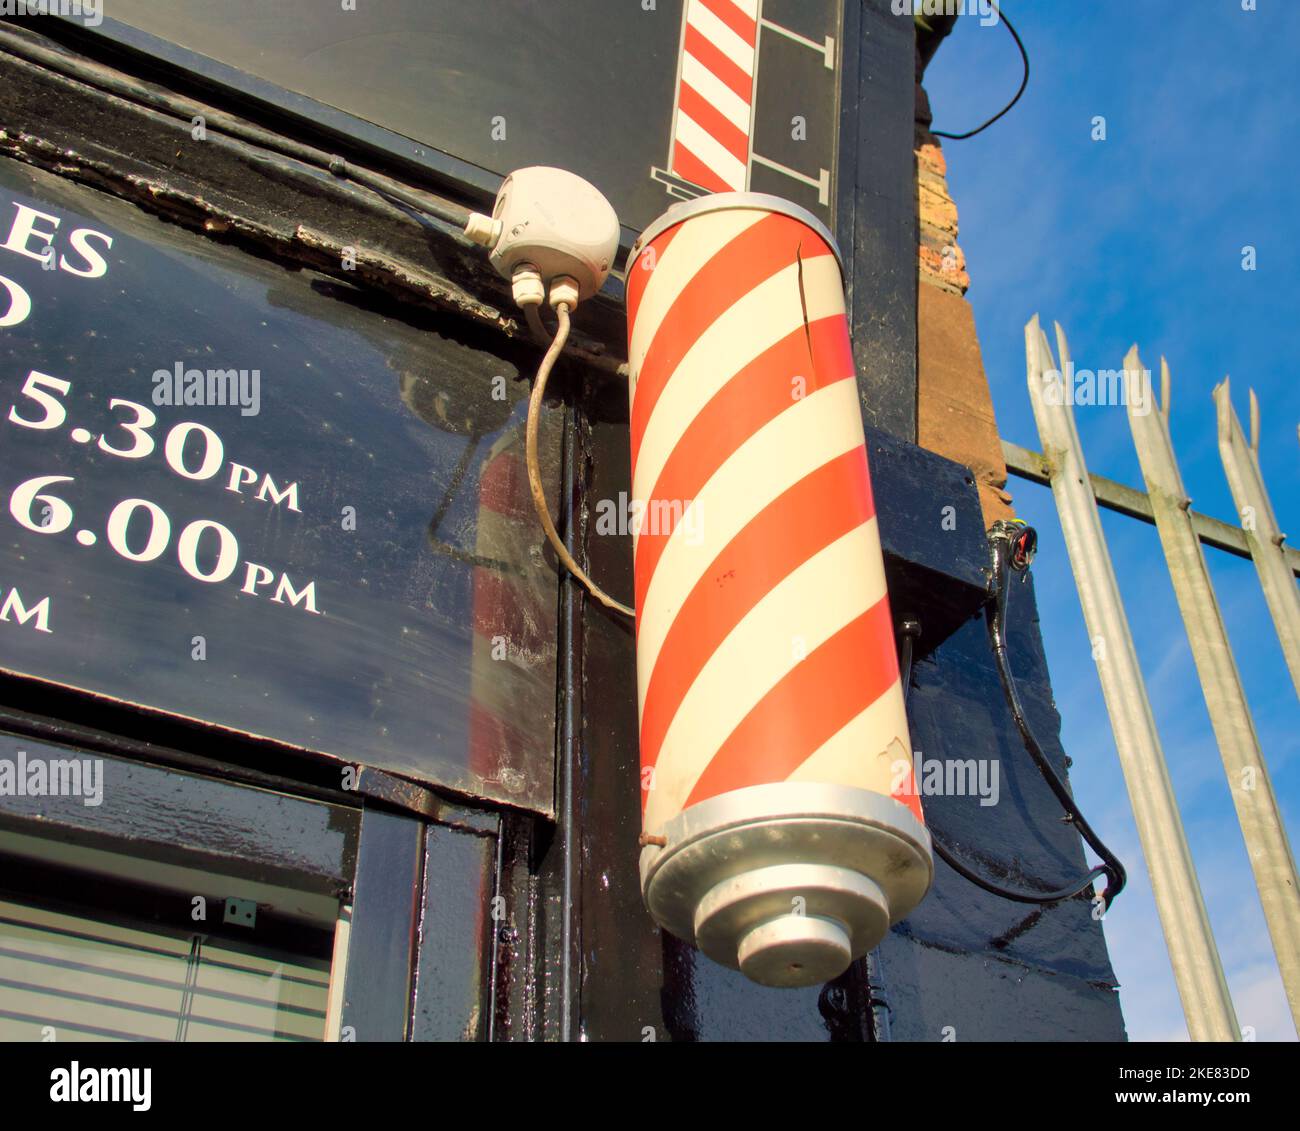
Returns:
(533, 316)
(534, 470)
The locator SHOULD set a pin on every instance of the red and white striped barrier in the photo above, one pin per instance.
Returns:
(713, 119)
(773, 728)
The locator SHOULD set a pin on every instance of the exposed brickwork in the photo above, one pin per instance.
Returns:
(954, 407)
(942, 261)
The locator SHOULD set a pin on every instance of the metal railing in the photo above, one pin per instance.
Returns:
(1193, 954)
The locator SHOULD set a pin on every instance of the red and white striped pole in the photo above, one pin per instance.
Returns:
(782, 831)
(713, 116)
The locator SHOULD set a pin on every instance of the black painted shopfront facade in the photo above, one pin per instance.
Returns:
(353, 758)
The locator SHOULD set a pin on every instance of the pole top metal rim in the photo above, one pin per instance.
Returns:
(725, 202)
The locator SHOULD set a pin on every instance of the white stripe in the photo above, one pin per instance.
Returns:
(749, 7)
(808, 607)
(716, 156)
(823, 425)
(721, 36)
(716, 92)
(872, 751)
(747, 329)
(674, 270)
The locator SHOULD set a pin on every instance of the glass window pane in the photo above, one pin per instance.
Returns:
(346, 560)
(89, 978)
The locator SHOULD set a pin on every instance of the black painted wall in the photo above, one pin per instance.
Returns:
(967, 965)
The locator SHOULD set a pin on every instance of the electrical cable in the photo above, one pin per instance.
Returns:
(533, 316)
(187, 111)
(426, 205)
(1024, 82)
(534, 469)
(1013, 546)
(454, 215)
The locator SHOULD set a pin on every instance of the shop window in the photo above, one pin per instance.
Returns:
(87, 977)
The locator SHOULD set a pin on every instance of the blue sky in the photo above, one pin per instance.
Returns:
(1138, 238)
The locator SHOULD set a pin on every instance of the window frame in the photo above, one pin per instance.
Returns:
(413, 934)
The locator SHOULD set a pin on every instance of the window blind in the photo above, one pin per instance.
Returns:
(86, 978)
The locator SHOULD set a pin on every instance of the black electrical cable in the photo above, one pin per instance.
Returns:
(175, 106)
(1024, 82)
(426, 206)
(1013, 546)
(910, 630)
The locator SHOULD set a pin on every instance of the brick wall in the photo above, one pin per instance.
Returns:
(954, 406)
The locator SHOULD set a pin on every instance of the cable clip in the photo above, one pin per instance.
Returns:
(1019, 539)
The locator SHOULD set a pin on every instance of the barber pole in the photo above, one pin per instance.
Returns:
(782, 831)
(713, 115)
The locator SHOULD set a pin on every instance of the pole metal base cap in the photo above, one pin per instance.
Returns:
(791, 924)
(790, 881)
(795, 951)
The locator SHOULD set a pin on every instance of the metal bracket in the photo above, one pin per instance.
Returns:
(241, 912)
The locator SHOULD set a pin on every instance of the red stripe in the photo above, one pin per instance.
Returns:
(492, 739)
(714, 123)
(908, 795)
(758, 253)
(503, 486)
(690, 168)
(734, 18)
(504, 607)
(814, 701)
(719, 63)
(817, 511)
(758, 394)
(643, 268)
